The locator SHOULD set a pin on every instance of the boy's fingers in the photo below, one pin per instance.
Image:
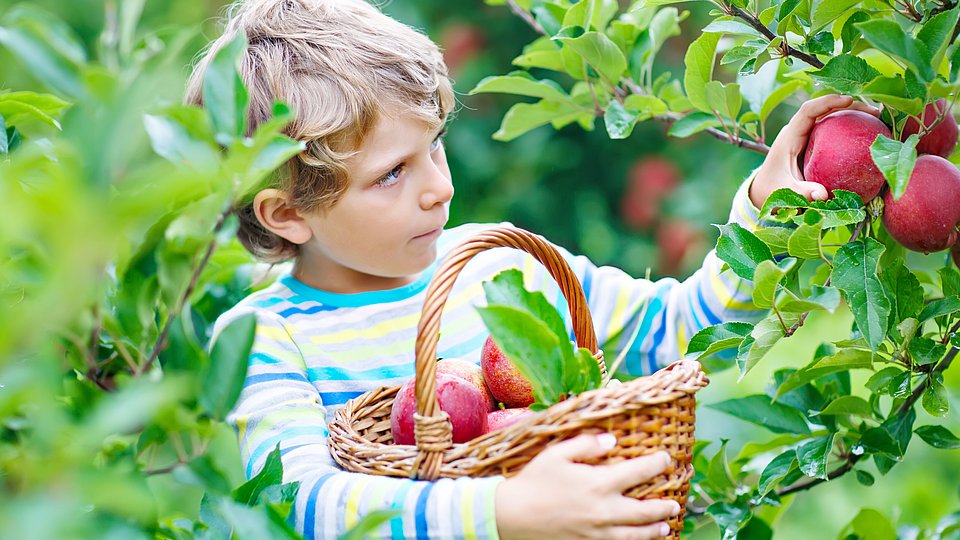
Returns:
(644, 532)
(812, 191)
(627, 511)
(581, 447)
(626, 474)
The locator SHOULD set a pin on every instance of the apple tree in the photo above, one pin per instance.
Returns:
(595, 61)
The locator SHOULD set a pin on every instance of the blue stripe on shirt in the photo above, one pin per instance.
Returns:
(330, 373)
(270, 443)
(306, 311)
(337, 398)
(421, 512)
(713, 319)
(267, 377)
(310, 512)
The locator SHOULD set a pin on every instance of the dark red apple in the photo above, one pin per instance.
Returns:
(838, 153)
(502, 418)
(457, 397)
(503, 378)
(650, 180)
(925, 218)
(943, 139)
(472, 373)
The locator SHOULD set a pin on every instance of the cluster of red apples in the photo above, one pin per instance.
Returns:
(471, 395)
(926, 218)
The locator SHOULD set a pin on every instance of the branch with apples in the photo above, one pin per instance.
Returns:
(883, 247)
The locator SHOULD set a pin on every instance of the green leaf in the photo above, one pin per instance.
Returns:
(887, 36)
(925, 351)
(848, 405)
(718, 471)
(731, 26)
(821, 43)
(506, 289)
(842, 360)
(730, 518)
(766, 280)
(939, 308)
(764, 336)
(224, 95)
(725, 99)
(777, 96)
(805, 241)
(937, 32)
(47, 47)
(741, 249)
(935, 400)
(776, 470)
(872, 525)
(950, 281)
(271, 474)
(699, 69)
(759, 410)
(370, 523)
(865, 478)
(775, 237)
(619, 121)
(646, 105)
(904, 291)
(532, 347)
(716, 338)
(855, 273)
(879, 382)
(521, 84)
(826, 11)
(692, 124)
(813, 456)
(845, 73)
(223, 377)
(894, 92)
(895, 160)
(601, 53)
(827, 298)
(174, 143)
(523, 117)
(23, 108)
(939, 437)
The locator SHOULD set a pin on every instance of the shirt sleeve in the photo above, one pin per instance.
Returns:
(279, 405)
(652, 321)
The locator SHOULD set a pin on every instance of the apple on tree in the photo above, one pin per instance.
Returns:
(838, 153)
(925, 218)
(942, 139)
(456, 396)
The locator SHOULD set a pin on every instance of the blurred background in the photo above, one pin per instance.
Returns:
(645, 203)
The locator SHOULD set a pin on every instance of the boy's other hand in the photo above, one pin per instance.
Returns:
(781, 167)
(556, 498)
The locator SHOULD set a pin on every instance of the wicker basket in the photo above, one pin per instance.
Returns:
(646, 414)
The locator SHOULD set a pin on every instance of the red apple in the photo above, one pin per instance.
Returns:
(650, 180)
(675, 238)
(457, 397)
(943, 139)
(472, 373)
(838, 153)
(925, 218)
(503, 378)
(502, 418)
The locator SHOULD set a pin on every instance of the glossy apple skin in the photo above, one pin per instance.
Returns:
(838, 153)
(456, 396)
(503, 378)
(925, 218)
(472, 373)
(943, 139)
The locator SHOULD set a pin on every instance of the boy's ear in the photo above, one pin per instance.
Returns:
(275, 212)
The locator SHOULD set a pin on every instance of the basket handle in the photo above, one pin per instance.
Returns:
(432, 427)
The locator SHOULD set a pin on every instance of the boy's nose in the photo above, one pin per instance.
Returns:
(439, 188)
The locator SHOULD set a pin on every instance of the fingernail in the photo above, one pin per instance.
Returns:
(666, 459)
(676, 508)
(606, 441)
(819, 195)
(664, 529)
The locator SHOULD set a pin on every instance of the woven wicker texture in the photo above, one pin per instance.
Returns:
(646, 415)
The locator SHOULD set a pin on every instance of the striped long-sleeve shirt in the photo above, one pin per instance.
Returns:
(314, 350)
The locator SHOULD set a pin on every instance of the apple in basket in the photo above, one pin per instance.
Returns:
(456, 396)
(504, 379)
(500, 419)
(472, 373)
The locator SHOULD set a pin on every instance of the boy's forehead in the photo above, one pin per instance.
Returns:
(391, 139)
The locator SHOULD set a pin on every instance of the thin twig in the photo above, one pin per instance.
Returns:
(522, 13)
(767, 33)
(162, 339)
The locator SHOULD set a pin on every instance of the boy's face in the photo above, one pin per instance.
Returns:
(383, 231)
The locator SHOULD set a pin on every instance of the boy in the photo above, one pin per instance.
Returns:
(362, 213)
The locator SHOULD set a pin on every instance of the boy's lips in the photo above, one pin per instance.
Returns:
(432, 233)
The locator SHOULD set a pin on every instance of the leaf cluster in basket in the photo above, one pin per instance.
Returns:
(527, 364)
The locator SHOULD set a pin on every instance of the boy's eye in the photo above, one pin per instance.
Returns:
(439, 140)
(391, 177)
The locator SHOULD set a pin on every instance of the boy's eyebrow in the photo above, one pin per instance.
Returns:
(388, 165)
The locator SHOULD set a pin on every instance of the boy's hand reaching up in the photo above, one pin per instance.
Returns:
(781, 168)
(556, 498)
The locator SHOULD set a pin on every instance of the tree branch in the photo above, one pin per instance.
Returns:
(668, 118)
(767, 33)
(162, 339)
(852, 459)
